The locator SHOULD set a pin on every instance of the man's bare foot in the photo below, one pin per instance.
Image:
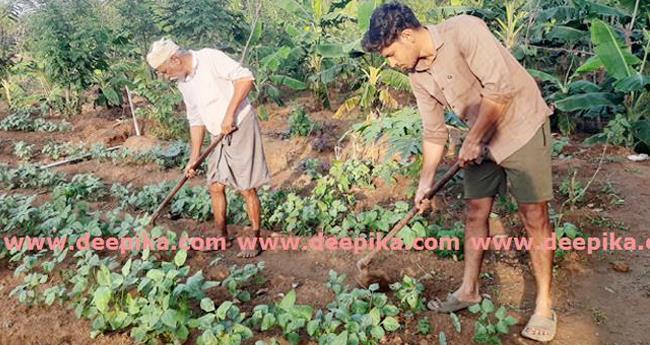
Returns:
(250, 253)
(221, 234)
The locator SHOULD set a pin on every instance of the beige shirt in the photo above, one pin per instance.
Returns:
(207, 91)
(470, 64)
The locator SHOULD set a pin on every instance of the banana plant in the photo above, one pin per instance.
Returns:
(617, 59)
(510, 29)
(269, 77)
(309, 23)
(374, 92)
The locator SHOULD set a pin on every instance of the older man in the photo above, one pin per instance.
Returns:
(214, 89)
(458, 64)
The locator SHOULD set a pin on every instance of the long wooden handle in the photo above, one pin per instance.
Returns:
(365, 261)
(180, 183)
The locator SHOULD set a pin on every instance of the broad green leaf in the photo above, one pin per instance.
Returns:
(502, 327)
(487, 305)
(366, 7)
(207, 304)
(169, 318)
(341, 339)
(268, 321)
(396, 80)
(390, 310)
(330, 50)
(611, 51)
(104, 276)
(288, 301)
(126, 269)
(455, 320)
(543, 76)
(292, 83)
(592, 64)
(156, 275)
(566, 34)
(509, 320)
(442, 338)
(635, 82)
(501, 313)
(101, 298)
(223, 309)
(376, 316)
(584, 101)
(641, 130)
(111, 96)
(390, 324)
(312, 327)
(377, 332)
(180, 258)
(474, 308)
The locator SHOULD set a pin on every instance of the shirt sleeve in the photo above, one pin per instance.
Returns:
(487, 59)
(193, 116)
(228, 68)
(434, 129)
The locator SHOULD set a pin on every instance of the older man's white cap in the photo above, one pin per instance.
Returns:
(161, 51)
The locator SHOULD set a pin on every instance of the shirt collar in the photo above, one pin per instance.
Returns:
(195, 63)
(423, 64)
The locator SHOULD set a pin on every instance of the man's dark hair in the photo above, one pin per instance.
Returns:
(386, 24)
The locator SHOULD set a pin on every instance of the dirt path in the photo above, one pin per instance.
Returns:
(619, 303)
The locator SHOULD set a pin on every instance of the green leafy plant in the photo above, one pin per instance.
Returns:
(240, 278)
(28, 176)
(23, 150)
(286, 314)
(492, 323)
(300, 124)
(409, 292)
(361, 316)
(23, 121)
(70, 59)
(374, 94)
(572, 188)
(81, 187)
(221, 325)
(567, 230)
(424, 326)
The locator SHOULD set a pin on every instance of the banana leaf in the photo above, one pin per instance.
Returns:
(584, 101)
(641, 130)
(292, 83)
(635, 82)
(614, 55)
(566, 34)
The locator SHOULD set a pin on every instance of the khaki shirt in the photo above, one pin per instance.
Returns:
(469, 64)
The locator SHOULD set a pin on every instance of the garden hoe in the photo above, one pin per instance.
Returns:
(182, 181)
(366, 277)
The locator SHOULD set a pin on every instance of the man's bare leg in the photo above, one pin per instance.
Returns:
(253, 209)
(219, 209)
(538, 226)
(476, 226)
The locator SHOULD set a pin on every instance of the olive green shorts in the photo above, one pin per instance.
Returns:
(528, 170)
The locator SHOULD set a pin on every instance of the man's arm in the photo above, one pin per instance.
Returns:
(242, 79)
(434, 138)
(242, 88)
(490, 112)
(431, 157)
(197, 133)
(489, 63)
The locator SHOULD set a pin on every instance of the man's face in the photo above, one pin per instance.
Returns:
(403, 53)
(172, 69)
